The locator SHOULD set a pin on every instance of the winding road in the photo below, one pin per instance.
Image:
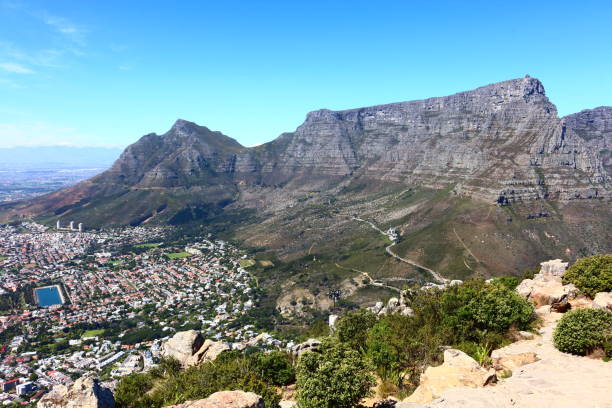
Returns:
(433, 273)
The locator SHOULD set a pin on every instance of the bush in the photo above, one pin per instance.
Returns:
(336, 377)
(275, 367)
(131, 389)
(381, 353)
(352, 328)
(475, 309)
(584, 330)
(232, 370)
(510, 282)
(591, 275)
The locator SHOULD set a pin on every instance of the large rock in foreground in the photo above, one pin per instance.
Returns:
(226, 399)
(84, 393)
(190, 348)
(547, 288)
(458, 370)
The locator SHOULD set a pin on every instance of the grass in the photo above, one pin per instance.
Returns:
(245, 263)
(3, 258)
(93, 333)
(178, 255)
(149, 245)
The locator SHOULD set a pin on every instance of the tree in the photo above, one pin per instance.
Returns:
(352, 328)
(335, 377)
(380, 351)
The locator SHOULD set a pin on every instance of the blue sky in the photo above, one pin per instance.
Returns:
(107, 72)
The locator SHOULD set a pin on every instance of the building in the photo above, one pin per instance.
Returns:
(72, 225)
(9, 385)
(80, 227)
(25, 388)
(58, 224)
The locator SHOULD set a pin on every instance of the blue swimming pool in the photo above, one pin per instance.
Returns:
(48, 296)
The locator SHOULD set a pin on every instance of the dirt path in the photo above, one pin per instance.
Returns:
(556, 380)
(388, 249)
(372, 281)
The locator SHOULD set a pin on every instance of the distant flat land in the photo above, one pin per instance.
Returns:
(18, 184)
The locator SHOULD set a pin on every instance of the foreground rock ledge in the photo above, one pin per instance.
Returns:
(84, 393)
(458, 370)
(226, 399)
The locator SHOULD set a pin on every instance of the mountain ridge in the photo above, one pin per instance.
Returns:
(499, 149)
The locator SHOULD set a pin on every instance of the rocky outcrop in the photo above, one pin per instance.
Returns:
(307, 346)
(226, 399)
(394, 305)
(547, 288)
(190, 348)
(84, 393)
(603, 301)
(458, 370)
(556, 379)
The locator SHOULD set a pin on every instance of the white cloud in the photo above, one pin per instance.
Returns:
(15, 68)
(66, 28)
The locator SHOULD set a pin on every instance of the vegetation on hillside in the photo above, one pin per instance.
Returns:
(168, 385)
(474, 316)
(591, 275)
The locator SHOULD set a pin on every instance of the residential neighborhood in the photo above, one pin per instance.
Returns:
(115, 296)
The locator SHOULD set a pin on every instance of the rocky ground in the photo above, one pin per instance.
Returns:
(556, 380)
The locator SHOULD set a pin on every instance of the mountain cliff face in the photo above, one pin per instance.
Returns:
(501, 144)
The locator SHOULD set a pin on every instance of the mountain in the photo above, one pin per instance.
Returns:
(481, 182)
(36, 157)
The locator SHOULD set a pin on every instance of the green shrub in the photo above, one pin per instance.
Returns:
(230, 371)
(591, 275)
(381, 353)
(336, 377)
(476, 308)
(275, 367)
(352, 328)
(584, 330)
(131, 390)
(510, 282)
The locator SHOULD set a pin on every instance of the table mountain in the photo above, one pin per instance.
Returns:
(424, 166)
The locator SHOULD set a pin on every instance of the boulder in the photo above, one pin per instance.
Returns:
(458, 370)
(190, 348)
(547, 288)
(287, 404)
(554, 267)
(603, 301)
(307, 346)
(85, 392)
(226, 399)
(525, 335)
(377, 307)
(507, 361)
(182, 346)
(209, 351)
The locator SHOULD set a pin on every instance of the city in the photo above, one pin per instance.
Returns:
(120, 293)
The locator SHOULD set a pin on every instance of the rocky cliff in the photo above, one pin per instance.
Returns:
(499, 142)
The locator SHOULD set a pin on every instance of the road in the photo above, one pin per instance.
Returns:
(433, 273)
